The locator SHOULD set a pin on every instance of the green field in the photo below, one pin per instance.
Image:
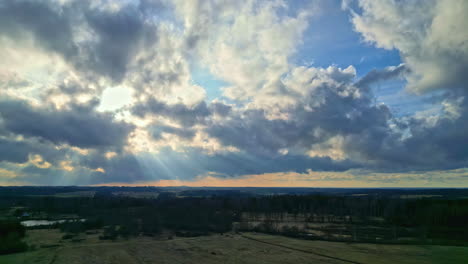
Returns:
(227, 248)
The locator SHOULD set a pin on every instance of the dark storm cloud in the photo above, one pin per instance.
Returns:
(117, 36)
(382, 75)
(237, 164)
(158, 130)
(14, 151)
(50, 28)
(253, 132)
(78, 126)
(120, 35)
(339, 113)
(169, 164)
(220, 108)
(371, 136)
(427, 146)
(415, 143)
(186, 115)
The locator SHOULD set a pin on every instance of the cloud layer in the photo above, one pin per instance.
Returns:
(273, 117)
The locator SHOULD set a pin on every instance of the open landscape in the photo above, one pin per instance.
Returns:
(233, 131)
(232, 225)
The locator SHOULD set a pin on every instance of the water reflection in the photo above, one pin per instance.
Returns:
(29, 223)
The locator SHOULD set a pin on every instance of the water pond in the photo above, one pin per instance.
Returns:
(30, 223)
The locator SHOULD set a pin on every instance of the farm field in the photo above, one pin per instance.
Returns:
(226, 248)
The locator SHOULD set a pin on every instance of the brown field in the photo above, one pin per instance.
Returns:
(228, 248)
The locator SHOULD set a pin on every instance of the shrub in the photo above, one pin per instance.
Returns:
(11, 233)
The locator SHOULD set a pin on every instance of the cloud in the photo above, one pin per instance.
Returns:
(95, 37)
(319, 179)
(182, 113)
(430, 35)
(50, 29)
(246, 44)
(332, 115)
(158, 131)
(78, 126)
(431, 38)
(169, 164)
(325, 104)
(13, 151)
(388, 73)
(273, 116)
(120, 36)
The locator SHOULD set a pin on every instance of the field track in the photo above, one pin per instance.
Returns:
(301, 250)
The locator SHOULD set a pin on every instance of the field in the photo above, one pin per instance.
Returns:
(226, 248)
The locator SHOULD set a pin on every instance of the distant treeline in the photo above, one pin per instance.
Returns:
(237, 191)
(395, 211)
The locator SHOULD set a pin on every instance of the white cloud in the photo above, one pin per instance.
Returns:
(430, 35)
(247, 44)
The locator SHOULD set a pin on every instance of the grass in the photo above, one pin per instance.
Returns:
(228, 248)
(374, 253)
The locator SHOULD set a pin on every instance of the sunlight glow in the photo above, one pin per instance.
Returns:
(115, 98)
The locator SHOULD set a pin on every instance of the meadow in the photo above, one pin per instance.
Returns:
(249, 247)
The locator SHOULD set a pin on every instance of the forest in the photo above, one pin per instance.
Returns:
(371, 217)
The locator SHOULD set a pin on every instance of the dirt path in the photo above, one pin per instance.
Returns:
(54, 258)
(301, 250)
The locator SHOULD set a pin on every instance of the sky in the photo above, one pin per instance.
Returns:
(352, 93)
